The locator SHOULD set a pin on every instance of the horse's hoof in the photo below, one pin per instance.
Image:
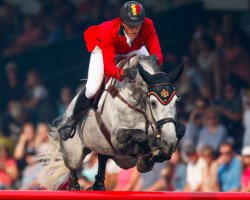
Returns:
(144, 165)
(98, 187)
(76, 187)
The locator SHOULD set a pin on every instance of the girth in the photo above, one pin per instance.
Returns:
(104, 129)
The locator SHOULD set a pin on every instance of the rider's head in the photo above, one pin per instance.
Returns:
(132, 15)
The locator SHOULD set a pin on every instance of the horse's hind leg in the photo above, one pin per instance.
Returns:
(73, 181)
(100, 177)
(73, 153)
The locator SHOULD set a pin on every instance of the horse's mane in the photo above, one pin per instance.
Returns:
(133, 60)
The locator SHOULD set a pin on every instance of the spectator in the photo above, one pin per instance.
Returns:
(194, 170)
(213, 133)
(213, 27)
(167, 176)
(127, 180)
(194, 124)
(55, 31)
(152, 181)
(206, 57)
(29, 179)
(229, 171)
(24, 144)
(41, 142)
(236, 61)
(178, 178)
(13, 120)
(246, 119)
(31, 36)
(191, 77)
(8, 169)
(65, 99)
(209, 171)
(206, 93)
(231, 111)
(37, 98)
(9, 24)
(15, 88)
(12, 89)
(245, 177)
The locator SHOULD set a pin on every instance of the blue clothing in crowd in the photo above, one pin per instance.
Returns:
(230, 175)
(179, 177)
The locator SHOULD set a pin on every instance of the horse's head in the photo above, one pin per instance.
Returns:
(161, 107)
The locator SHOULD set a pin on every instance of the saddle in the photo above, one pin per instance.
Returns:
(121, 61)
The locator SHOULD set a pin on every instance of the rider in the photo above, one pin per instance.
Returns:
(131, 33)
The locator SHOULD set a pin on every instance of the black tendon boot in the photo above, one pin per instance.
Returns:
(68, 128)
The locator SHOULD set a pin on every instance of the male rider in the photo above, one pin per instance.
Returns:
(131, 33)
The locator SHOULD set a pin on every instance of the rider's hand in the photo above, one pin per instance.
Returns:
(129, 72)
(153, 58)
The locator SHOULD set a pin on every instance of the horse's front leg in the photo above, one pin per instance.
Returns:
(100, 177)
(134, 142)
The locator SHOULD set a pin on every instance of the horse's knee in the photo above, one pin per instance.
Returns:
(123, 135)
(131, 140)
(139, 136)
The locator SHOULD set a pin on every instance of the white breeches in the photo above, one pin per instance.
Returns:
(96, 69)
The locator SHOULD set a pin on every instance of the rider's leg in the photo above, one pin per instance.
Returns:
(82, 105)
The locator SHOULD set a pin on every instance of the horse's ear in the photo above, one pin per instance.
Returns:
(176, 73)
(144, 74)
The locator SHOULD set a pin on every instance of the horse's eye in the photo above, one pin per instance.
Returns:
(153, 104)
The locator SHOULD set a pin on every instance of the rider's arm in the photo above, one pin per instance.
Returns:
(108, 51)
(152, 41)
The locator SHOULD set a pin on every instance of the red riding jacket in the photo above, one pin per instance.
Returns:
(109, 36)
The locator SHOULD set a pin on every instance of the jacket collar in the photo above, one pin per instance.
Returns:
(121, 31)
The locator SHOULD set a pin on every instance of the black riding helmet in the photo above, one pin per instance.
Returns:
(132, 13)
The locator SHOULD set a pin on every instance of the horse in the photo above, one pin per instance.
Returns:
(134, 124)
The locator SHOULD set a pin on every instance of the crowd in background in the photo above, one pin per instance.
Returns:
(25, 25)
(214, 154)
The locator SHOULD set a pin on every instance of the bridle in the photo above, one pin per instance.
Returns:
(158, 124)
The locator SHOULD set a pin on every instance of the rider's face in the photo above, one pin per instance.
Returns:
(131, 31)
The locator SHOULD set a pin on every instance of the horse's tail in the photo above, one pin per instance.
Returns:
(53, 173)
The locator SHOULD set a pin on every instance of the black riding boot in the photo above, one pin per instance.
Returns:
(82, 105)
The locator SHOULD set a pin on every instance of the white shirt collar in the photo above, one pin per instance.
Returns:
(129, 40)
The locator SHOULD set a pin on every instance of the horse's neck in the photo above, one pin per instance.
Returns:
(115, 112)
(132, 92)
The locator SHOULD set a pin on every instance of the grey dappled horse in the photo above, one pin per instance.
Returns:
(139, 121)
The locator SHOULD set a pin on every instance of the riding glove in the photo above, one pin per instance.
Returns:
(129, 72)
(153, 58)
